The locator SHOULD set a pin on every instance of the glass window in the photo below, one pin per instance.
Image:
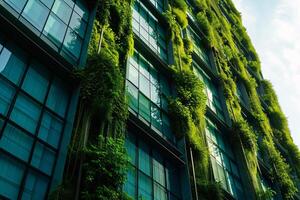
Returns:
(144, 158)
(58, 97)
(156, 120)
(36, 82)
(43, 158)
(81, 9)
(26, 113)
(51, 129)
(12, 66)
(11, 173)
(130, 184)
(132, 95)
(6, 95)
(133, 75)
(62, 10)
(145, 187)
(77, 24)
(48, 3)
(158, 169)
(35, 186)
(72, 43)
(144, 86)
(144, 106)
(36, 13)
(160, 193)
(55, 29)
(131, 148)
(16, 4)
(16, 142)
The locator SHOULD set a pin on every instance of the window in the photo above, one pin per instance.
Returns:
(43, 158)
(11, 173)
(35, 186)
(147, 92)
(62, 23)
(36, 13)
(198, 46)
(146, 26)
(159, 4)
(211, 90)
(7, 93)
(223, 161)
(150, 178)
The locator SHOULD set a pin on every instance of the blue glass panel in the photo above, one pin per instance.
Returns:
(72, 43)
(144, 107)
(132, 95)
(156, 119)
(144, 158)
(48, 3)
(145, 187)
(43, 158)
(130, 184)
(160, 193)
(16, 4)
(77, 24)
(36, 13)
(131, 148)
(35, 187)
(11, 173)
(16, 142)
(55, 29)
(62, 10)
(36, 81)
(58, 97)
(51, 129)
(26, 113)
(81, 9)
(6, 94)
(158, 169)
(12, 66)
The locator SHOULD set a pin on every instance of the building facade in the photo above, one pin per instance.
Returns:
(43, 41)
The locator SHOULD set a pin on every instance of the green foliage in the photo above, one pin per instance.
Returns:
(210, 190)
(246, 134)
(180, 4)
(267, 194)
(180, 17)
(105, 169)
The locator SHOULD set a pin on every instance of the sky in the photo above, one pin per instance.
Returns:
(274, 28)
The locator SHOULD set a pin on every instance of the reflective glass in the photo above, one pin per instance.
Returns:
(36, 13)
(16, 4)
(77, 24)
(36, 81)
(144, 107)
(51, 129)
(144, 158)
(43, 158)
(72, 43)
(26, 113)
(62, 10)
(55, 29)
(35, 187)
(132, 95)
(6, 94)
(16, 142)
(130, 184)
(145, 187)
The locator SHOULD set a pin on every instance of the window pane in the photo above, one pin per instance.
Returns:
(77, 24)
(156, 120)
(35, 187)
(58, 97)
(132, 95)
(51, 129)
(131, 148)
(48, 3)
(158, 169)
(173, 179)
(62, 10)
(55, 29)
(145, 187)
(144, 106)
(36, 13)
(144, 85)
(81, 9)
(16, 142)
(6, 94)
(36, 82)
(144, 158)
(43, 158)
(72, 43)
(12, 66)
(16, 4)
(155, 94)
(130, 184)
(133, 75)
(11, 173)
(26, 113)
(160, 193)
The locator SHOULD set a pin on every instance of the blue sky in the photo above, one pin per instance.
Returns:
(274, 28)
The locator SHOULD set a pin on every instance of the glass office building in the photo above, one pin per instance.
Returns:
(42, 42)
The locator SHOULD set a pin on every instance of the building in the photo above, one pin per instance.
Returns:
(41, 42)
(44, 41)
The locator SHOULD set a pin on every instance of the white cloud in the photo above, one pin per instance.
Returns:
(274, 27)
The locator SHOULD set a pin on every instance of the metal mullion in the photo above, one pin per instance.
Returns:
(59, 146)
(35, 137)
(17, 91)
(47, 16)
